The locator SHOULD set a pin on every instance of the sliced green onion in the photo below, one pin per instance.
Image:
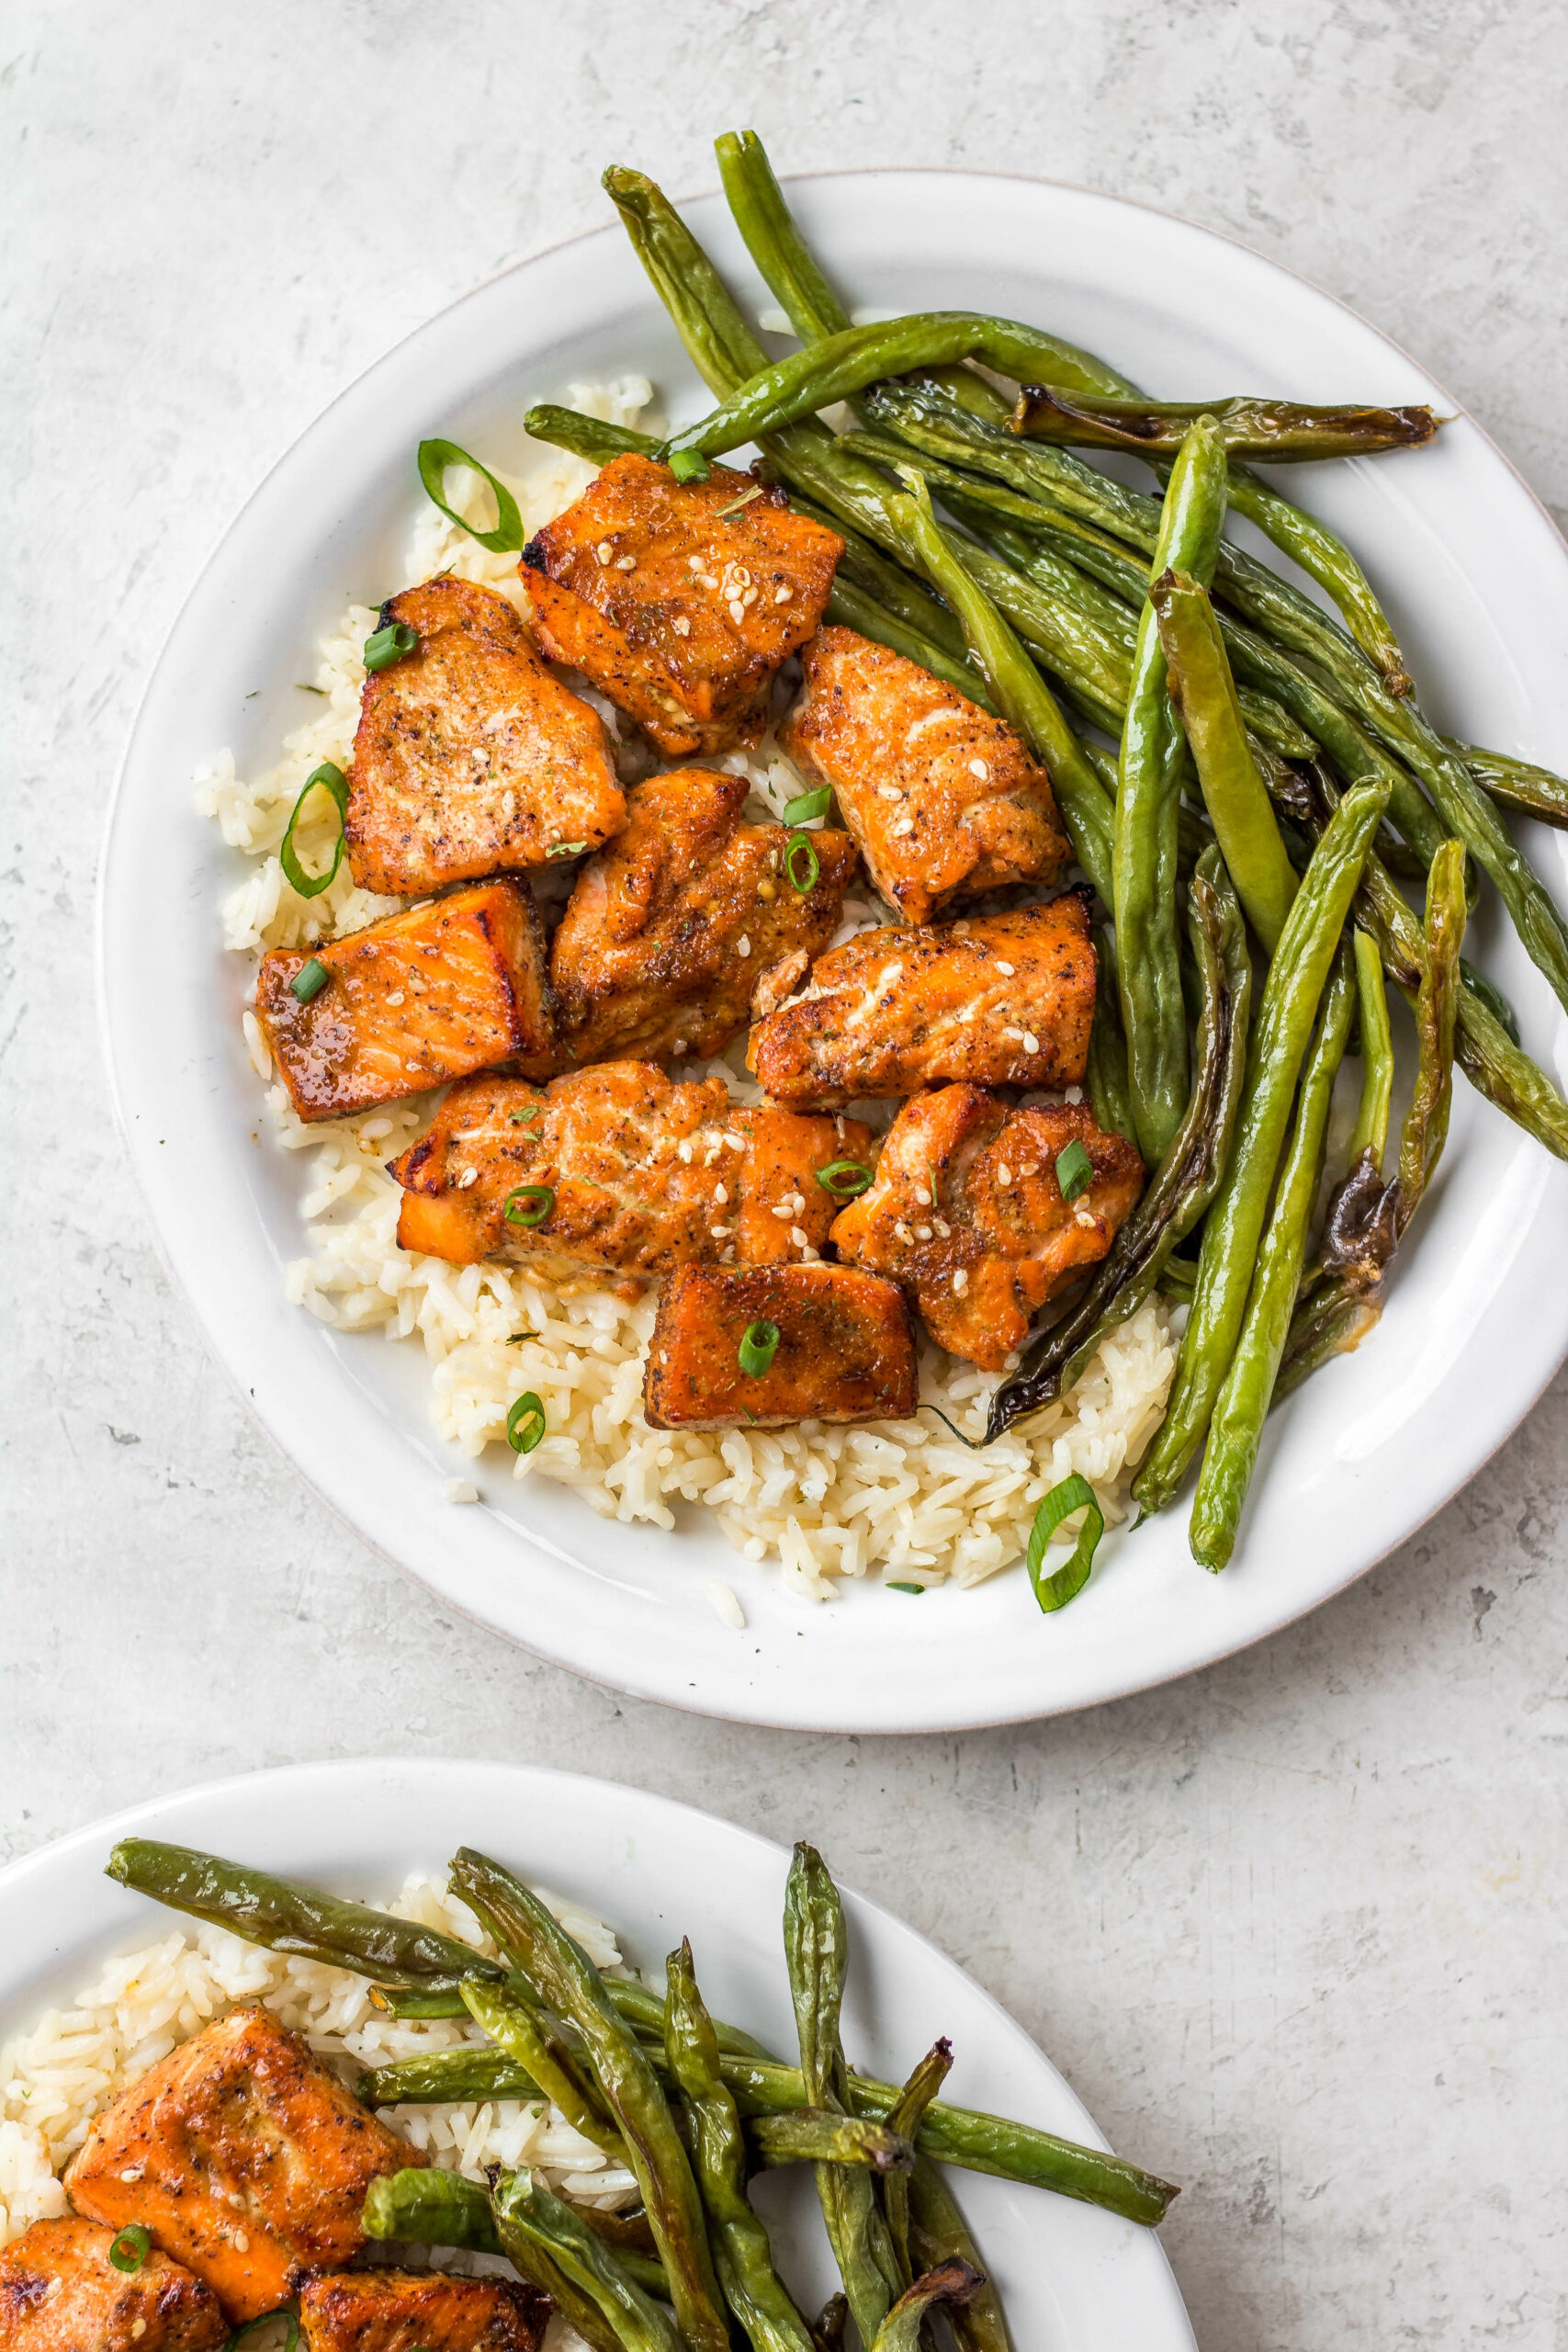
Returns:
(393, 643)
(435, 457)
(893, 1587)
(809, 805)
(1075, 1170)
(527, 1118)
(689, 465)
(309, 980)
(132, 2247)
(759, 1345)
(736, 503)
(800, 848)
(515, 1338)
(1066, 1582)
(331, 779)
(566, 849)
(529, 1205)
(525, 1423)
(845, 1178)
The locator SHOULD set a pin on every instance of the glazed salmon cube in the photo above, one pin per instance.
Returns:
(1000, 999)
(681, 599)
(244, 2157)
(944, 800)
(399, 2311)
(967, 1213)
(670, 928)
(845, 1350)
(625, 1169)
(471, 755)
(60, 2292)
(413, 1001)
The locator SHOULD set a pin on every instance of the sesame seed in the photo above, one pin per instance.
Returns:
(1085, 1216)
(395, 999)
(784, 1210)
(944, 1228)
(663, 1356)
(905, 825)
(889, 792)
(922, 1233)
(605, 550)
(718, 1231)
(1014, 1037)
(1004, 1175)
(681, 624)
(684, 1150)
(710, 1155)
(903, 1232)
(720, 1196)
(1031, 1042)
(799, 1237)
(1030, 1167)
(960, 929)
(707, 580)
(960, 1282)
(626, 563)
(131, 2172)
(750, 597)
(695, 563)
(241, 2243)
(737, 609)
(736, 1143)
(979, 767)
(739, 576)
(783, 596)
(1006, 969)
(923, 1197)
(138, 2330)
(469, 1176)
(743, 945)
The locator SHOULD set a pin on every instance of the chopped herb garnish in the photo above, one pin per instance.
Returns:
(801, 865)
(515, 1338)
(809, 805)
(736, 503)
(566, 849)
(529, 1205)
(309, 980)
(393, 643)
(1075, 1170)
(759, 1345)
(895, 1587)
(525, 1423)
(435, 457)
(1066, 1582)
(845, 1178)
(329, 778)
(132, 2248)
(527, 1118)
(301, 688)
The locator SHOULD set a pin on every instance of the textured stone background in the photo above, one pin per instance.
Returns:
(1293, 1928)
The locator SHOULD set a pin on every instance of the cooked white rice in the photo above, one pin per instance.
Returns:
(906, 1498)
(56, 2077)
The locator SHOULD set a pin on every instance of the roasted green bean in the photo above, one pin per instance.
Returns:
(815, 2135)
(1279, 432)
(775, 244)
(1148, 796)
(434, 2207)
(939, 2234)
(742, 2256)
(1235, 1224)
(1200, 683)
(1107, 1071)
(952, 2282)
(566, 1981)
(587, 436)
(1370, 1133)
(905, 2121)
(538, 2047)
(1516, 784)
(1242, 1405)
(549, 2243)
(1425, 1125)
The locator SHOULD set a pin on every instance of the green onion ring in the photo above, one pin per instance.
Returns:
(800, 846)
(846, 1180)
(525, 1423)
(309, 980)
(131, 2247)
(566, 849)
(1066, 1582)
(905, 1588)
(759, 1345)
(393, 643)
(809, 806)
(435, 457)
(1075, 1170)
(332, 780)
(689, 465)
(540, 1198)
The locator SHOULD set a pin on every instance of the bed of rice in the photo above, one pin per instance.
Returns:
(56, 2077)
(906, 1498)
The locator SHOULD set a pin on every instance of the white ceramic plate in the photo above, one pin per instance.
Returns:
(1477, 1319)
(1073, 2279)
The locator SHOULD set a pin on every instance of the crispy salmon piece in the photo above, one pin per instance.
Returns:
(470, 755)
(845, 1350)
(668, 930)
(680, 600)
(1000, 999)
(401, 2311)
(245, 2158)
(60, 2292)
(997, 1240)
(644, 1174)
(944, 800)
(412, 1001)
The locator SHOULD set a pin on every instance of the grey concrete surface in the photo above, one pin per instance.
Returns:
(1294, 1927)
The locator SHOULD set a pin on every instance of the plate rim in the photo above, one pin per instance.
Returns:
(757, 1709)
(18, 1877)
